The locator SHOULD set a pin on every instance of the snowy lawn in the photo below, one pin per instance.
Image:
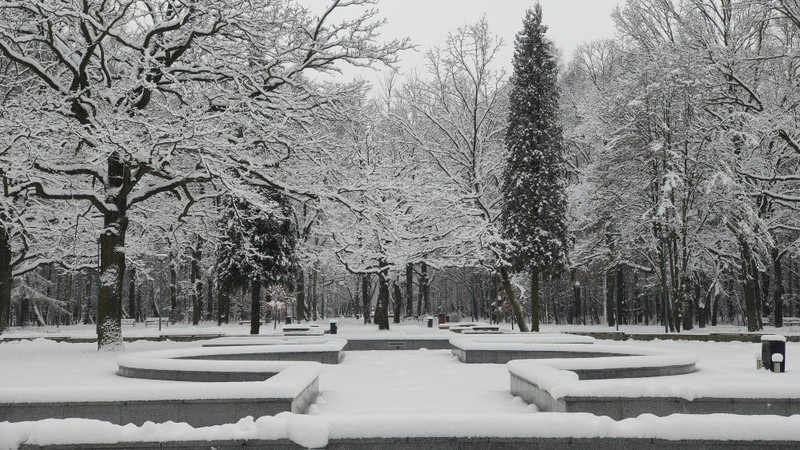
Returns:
(407, 393)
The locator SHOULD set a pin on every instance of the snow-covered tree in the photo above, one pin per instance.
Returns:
(123, 101)
(534, 208)
(256, 249)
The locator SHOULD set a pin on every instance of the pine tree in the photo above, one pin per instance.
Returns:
(534, 210)
(257, 250)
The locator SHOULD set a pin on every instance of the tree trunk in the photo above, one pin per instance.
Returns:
(749, 268)
(87, 297)
(758, 292)
(619, 289)
(419, 297)
(300, 308)
(255, 307)
(24, 311)
(409, 289)
(610, 298)
(777, 287)
(702, 304)
(790, 286)
(512, 298)
(223, 299)
(196, 283)
(5, 278)
(714, 310)
(313, 281)
(366, 299)
(398, 302)
(382, 309)
(576, 297)
(688, 314)
(132, 293)
(424, 287)
(173, 291)
(112, 269)
(474, 295)
(210, 296)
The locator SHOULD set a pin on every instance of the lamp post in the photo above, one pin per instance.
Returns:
(663, 235)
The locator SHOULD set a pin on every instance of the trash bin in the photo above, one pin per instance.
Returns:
(288, 320)
(430, 322)
(442, 318)
(773, 352)
(334, 327)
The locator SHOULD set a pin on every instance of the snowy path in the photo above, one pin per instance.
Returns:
(425, 381)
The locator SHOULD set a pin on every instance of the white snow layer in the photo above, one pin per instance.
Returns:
(315, 431)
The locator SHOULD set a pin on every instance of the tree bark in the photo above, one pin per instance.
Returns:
(382, 309)
(313, 281)
(688, 314)
(512, 298)
(112, 258)
(366, 299)
(576, 296)
(610, 297)
(223, 298)
(300, 308)
(173, 291)
(210, 297)
(112, 269)
(619, 290)
(398, 302)
(777, 287)
(409, 289)
(424, 287)
(196, 283)
(5, 278)
(86, 300)
(790, 286)
(132, 293)
(749, 268)
(255, 307)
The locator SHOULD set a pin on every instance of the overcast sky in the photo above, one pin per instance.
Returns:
(427, 23)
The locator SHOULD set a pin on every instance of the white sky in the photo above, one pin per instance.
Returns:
(427, 22)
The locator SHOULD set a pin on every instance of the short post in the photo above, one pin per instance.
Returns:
(430, 322)
(773, 352)
(288, 320)
(159, 323)
(777, 362)
(334, 327)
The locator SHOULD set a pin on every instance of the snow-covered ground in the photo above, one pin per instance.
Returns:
(382, 387)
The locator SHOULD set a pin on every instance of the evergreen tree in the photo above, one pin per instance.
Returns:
(534, 210)
(257, 249)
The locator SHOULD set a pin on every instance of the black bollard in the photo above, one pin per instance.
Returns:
(773, 352)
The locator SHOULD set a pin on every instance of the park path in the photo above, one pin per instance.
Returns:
(414, 381)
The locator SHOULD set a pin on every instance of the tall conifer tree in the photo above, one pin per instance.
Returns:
(534, 210)
(257, 249)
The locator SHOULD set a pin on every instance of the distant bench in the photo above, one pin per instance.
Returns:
(155, 320)
(303, 330)
(128, 322)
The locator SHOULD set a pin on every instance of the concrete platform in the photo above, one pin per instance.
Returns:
(398, 343)
(292, 389)
(535, 382)
(500, 349)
